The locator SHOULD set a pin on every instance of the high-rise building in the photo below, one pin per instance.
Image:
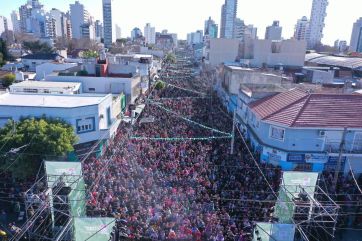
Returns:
(356, 38)
(316, 25)
(58, 16)
(150, 34)
(118, 32)
(273, 32)
(25, 18)
(107, 23)
(136, 33)
(239, 29)
(195, 37)
(3, 24)
(99, 30)
(50, 27)
(250, 32)
(211, 28)
(301, 31)
(15, 21)
(78, 17)
(340, 45)
(228, 17)
(68, 25)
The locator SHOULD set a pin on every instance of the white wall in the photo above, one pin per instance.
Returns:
(48, 68)
(102, 85)
(223, 50)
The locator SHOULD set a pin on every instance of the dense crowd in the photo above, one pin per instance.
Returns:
(181, 189)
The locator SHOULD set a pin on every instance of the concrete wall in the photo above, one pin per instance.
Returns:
(286, 52)
(223, 50)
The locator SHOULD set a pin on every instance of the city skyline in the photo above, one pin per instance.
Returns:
(287, 12)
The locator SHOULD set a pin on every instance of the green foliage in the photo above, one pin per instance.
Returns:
(37, 47)
(8, 80)
(170, 58)
(4, 54)
(90, 54)
(160, 85)
(40, 138)
(82, 73)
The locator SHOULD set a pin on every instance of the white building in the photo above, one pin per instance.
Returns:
(228, 17)
(78, 17)
(195, 37)
(118, 32)
(60, 27)
(150, 34)
(3, 24)
(317, 17)
(45, 87)
(301, 31)
(42, 70)
(356, 38)
(274, 32)
(31, 61)
(15, 21)
(107, 23)
(92, 116)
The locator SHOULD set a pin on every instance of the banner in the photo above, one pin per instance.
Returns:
(93, 229)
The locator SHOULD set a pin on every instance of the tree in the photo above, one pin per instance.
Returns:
(160, 85)
(37, 47)
(38, 139)
(170, 58)
(4, 53)
(90, 54)
(8, 80)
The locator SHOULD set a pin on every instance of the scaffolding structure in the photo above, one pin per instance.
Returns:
(50, 207)
(309, 208)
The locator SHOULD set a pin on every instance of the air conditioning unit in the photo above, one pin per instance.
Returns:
(322, 133)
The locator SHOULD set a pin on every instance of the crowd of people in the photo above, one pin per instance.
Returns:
(177, 180)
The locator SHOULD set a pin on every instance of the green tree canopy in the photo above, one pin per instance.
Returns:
(8, 80)
(40, 139)
(4, 53)
(90, 54)
(170, 58)
(160, 85)
(37, 47)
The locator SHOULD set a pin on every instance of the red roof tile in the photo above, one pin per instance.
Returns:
(297, 108)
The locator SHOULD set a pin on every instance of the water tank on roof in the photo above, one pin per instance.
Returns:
(19, 76)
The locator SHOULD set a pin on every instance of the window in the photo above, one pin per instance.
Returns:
(28, 90)
(92, 89)
(277, 133)
(85, 125)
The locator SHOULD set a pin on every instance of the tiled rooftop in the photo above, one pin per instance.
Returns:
(298, 108)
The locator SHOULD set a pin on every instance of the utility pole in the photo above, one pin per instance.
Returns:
(233, 134)
(339, 163)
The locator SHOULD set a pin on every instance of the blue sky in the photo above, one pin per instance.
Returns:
(183, 16)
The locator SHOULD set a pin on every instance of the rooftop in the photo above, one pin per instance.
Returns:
(46, 84)
(42, 56)
(50, 101)
(338, 61)
(299, 108)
